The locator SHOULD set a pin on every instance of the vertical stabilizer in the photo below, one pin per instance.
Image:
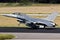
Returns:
(52, 16)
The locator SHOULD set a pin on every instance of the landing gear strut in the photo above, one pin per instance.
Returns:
(18, 24)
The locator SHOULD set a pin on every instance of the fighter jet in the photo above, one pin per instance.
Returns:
(35, 22)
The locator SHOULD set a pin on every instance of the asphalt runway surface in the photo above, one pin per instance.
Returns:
(34, 35)
(35, 39)
(29, 30)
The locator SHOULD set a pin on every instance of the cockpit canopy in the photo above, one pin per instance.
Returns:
(16, 13)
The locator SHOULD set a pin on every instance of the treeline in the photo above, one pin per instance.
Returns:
(30, 1)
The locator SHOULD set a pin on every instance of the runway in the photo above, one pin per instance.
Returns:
(29, 30)
(34, 35)
(35, 39)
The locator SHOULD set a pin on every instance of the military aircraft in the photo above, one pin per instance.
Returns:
(34, 22)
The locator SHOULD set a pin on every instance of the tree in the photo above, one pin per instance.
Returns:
(53, 1)
(25, 2)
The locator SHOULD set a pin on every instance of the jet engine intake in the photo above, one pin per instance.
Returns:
(21, 21)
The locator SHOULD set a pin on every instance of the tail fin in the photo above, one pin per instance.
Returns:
(52, 16)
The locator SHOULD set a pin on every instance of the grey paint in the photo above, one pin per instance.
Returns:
(47, 21)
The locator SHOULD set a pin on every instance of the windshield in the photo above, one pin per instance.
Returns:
(16, 13)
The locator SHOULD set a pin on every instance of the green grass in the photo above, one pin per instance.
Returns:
(41, 4)
(9, 4)
(19, 4)
(6, 36)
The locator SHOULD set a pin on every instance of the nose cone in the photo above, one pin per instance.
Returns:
(9, 15)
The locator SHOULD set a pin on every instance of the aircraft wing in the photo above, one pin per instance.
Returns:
(30, 19)
(50, 17)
